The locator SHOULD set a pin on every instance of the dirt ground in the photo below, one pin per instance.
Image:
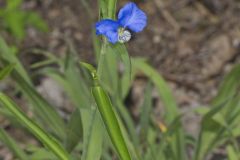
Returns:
(192, 43)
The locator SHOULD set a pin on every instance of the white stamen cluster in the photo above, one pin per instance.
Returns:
(123, 35)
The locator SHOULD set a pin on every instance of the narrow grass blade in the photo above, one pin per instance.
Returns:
(12, 145)
(74, 131)
(229, 86)
(128, 121)
(178, 140)
(42, 154)
(163, 89)
(146, 112)
(44, 111)
(45, 138)
(226, 104)
(93, 135)
(232, 155)
(42, 64)
(73, 77)
(134, 152)
(5, 71)
(8, 57)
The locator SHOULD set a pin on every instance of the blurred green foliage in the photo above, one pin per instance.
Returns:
(15, 20)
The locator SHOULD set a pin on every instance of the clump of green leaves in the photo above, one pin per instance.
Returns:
(15, 20)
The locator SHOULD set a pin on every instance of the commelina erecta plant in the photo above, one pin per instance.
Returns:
(130, 17)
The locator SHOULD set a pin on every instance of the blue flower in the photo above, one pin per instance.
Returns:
(130, 17)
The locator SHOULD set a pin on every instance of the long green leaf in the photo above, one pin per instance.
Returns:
(45, 138)
(111, 123)
(44, 111)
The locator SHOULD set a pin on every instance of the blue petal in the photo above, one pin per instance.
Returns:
(112, 37)
(130, 16)
(108, 28)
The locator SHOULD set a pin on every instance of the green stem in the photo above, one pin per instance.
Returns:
(108, 116)
(112, 8)
(102, 58)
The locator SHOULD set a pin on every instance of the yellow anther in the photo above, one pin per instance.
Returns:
(162, 127)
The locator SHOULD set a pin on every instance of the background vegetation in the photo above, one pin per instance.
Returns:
(177, 97)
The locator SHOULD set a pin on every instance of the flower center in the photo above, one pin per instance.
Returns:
(123, 35)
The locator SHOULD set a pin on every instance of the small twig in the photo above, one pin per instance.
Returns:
(167, 16)
(206, 13)
(88, 8)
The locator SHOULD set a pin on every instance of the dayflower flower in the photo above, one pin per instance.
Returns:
(130, 17)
